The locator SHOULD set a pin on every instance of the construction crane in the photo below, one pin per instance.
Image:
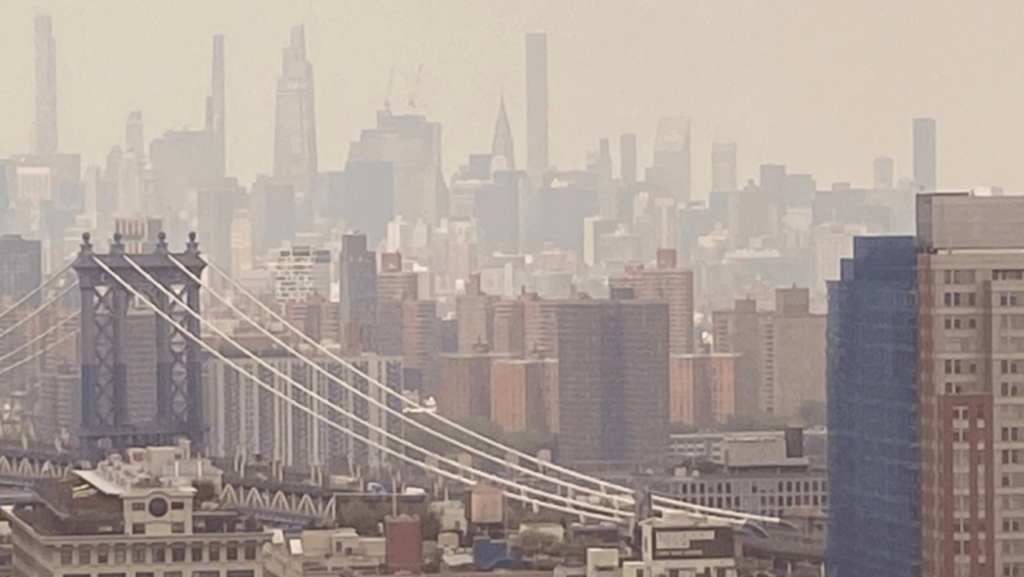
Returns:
(415, 87)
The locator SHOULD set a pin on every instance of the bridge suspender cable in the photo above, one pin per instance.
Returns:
(38, 310)
(38, 353)
(405, 418)
(40, 336)
(542, 465)
(625, 495)
(516, 490)
(43, 285)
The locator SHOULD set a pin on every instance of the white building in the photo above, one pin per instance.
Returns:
(299, 272)
(126, 518)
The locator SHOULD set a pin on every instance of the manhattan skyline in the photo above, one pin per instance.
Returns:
(821, 89)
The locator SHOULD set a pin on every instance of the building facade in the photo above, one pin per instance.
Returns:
(613, 380)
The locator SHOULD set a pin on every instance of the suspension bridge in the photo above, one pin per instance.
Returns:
(168, 285)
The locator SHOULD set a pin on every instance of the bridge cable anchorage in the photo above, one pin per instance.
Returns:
(37, 310)
(625, 496)
(40, 336)
(38, 353)
(41, 286)
(573, 507)
(499, 460)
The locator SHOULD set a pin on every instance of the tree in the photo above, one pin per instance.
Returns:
(813, 413)
(535, 542)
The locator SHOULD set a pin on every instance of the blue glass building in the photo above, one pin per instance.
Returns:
(874, 528)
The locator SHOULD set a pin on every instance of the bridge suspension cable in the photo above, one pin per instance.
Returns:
(516, 491)
(40, 336)
(38, 353)
(624, 493)
(37, 310)
(498, 459)
(41, 286)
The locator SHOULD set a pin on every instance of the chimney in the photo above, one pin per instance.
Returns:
(666, 258)
(391, 262)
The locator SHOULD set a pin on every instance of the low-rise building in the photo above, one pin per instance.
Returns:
(124, 518)
(685, 545)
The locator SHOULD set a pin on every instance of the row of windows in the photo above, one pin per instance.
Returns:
(960, 299)
(1011, 299)
(766, 501)
(958, 276)
(726, 488)
(964, 413)
(961, 323)
(175, 506)
(158, 554)
(229, 573)
(958, 367)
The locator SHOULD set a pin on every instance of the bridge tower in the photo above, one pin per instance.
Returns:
(105, 389)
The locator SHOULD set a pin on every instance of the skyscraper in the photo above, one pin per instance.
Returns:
(20, 266)
(723, 166)
(295, 159)
(627, 158)
(46, 87)
(874, 528)
(134, 136)
(536, 106)
(216, 200)
(358, 276)
(503, 154)
(924, 154)
(665, 283)
(412, 146)
(613, 381)
(883, 173)
(925, 361)
(215, 107)
(671, 170)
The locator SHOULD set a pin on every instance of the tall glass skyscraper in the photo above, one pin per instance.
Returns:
(871, 345)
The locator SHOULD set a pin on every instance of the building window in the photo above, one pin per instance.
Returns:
(214, 552)
(84, 556)
(178, 554)
(241, 573)
(206, 574)
(250, 551)
(177, 505)
(120, 554)
(138, 528)
(139, 554)
(197, 553)
(172, 573)
(144, 574)
(232, 552)
(177, 527)
(138, 506)
(159, 555)
(65, 555)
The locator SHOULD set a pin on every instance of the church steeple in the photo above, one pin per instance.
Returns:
(502, 145)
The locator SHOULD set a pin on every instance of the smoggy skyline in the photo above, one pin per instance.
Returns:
(821, 88)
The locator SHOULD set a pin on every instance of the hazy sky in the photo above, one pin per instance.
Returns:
(820, 86)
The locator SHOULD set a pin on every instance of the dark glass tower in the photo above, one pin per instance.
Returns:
(874, 528)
